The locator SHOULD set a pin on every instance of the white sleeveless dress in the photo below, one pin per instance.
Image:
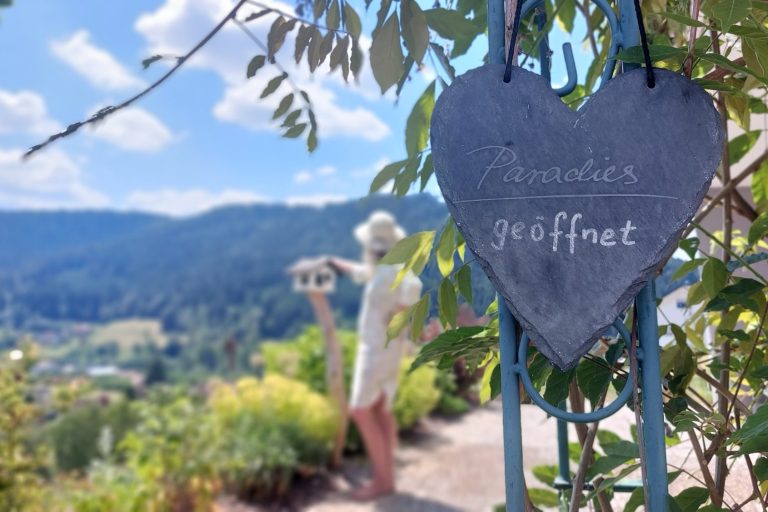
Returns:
(377, 365)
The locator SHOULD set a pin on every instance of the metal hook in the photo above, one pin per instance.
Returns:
(570, 64)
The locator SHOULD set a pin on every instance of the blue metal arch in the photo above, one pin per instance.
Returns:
(587, 417)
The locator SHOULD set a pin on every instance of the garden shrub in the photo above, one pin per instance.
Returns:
(303, 358)
(75, 434)
(271, 428)
(417, 394)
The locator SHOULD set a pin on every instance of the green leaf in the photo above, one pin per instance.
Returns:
(462, 342)
(760, 187)
(312, 137)
(485, 392)
(658, 53)
(398, 322)
(420, 311)
(593, 379)
(450, 24)
(150, 60)
(758, 229)
(254, 65)
(302, 41)
(446, 246)
(604, 466)
(495, 382)
(442, 58)
(464, 280)
(283, 107)
(714, 276)
(413, 25)
(727, 12)
(272, 85)
(692, 498)
(739, 146)
(413, 252)
(319, 8)
(276, 37)
(291, 118)
(313, 52)
(257, 15)
(387, 54)
(294, 131)
(635, 501)
(566, 15)
(752, 437)
(725, 63)
(761, 469)
(546, 474)
(417, 126)
(557, 386)
(543, 497)
(687, 267)
(680, 18)
(690, 246)
(356, 59)
(427, 169)
(386, 174)
(334, 15)
(352, 21)
(622, 449)
(339, 55)
(447, 305)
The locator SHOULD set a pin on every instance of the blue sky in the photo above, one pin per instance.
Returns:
(203, 139)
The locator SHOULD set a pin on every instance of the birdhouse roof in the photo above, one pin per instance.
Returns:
(306, 265)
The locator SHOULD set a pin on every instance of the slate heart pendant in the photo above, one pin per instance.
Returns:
(570, 213)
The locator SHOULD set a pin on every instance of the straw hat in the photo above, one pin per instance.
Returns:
(380, 232)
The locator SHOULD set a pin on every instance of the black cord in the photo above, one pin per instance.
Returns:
(513, 42)
(650, 78)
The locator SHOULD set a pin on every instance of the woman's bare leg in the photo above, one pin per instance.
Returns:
(376, 440)
(386, 419)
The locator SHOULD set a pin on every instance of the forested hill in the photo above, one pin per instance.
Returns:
(225, 266)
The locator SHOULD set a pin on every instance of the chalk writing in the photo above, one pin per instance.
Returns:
(607, 237)
(503, 158)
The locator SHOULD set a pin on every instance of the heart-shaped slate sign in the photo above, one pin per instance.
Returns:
(570, 213)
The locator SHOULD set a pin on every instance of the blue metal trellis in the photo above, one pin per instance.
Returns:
(514, 345)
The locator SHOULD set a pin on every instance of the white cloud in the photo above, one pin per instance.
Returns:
(25, 112)
(133, 129)
(49, 179)
(302, 177)
(95, 64)
(178, 24)
(317, 200)
(188, 202)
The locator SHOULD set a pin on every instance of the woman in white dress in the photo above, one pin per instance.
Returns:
(377, 365)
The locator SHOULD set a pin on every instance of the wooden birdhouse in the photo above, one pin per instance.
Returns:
(313, 275)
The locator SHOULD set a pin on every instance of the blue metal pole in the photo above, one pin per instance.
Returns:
(510, 399)
(563, 462)
(653, 414)
(496, 32)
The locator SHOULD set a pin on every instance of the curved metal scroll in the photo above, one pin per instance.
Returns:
(552, 410)
(570, 65)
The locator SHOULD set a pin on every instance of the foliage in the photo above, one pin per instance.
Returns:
(22, 465)
(306, 417)
(417, 394)
(75, 434)
(304, 359)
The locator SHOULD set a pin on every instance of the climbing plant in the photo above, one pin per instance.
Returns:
(717, 367)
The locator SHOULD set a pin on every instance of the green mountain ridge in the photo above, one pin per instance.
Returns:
(224, 267)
